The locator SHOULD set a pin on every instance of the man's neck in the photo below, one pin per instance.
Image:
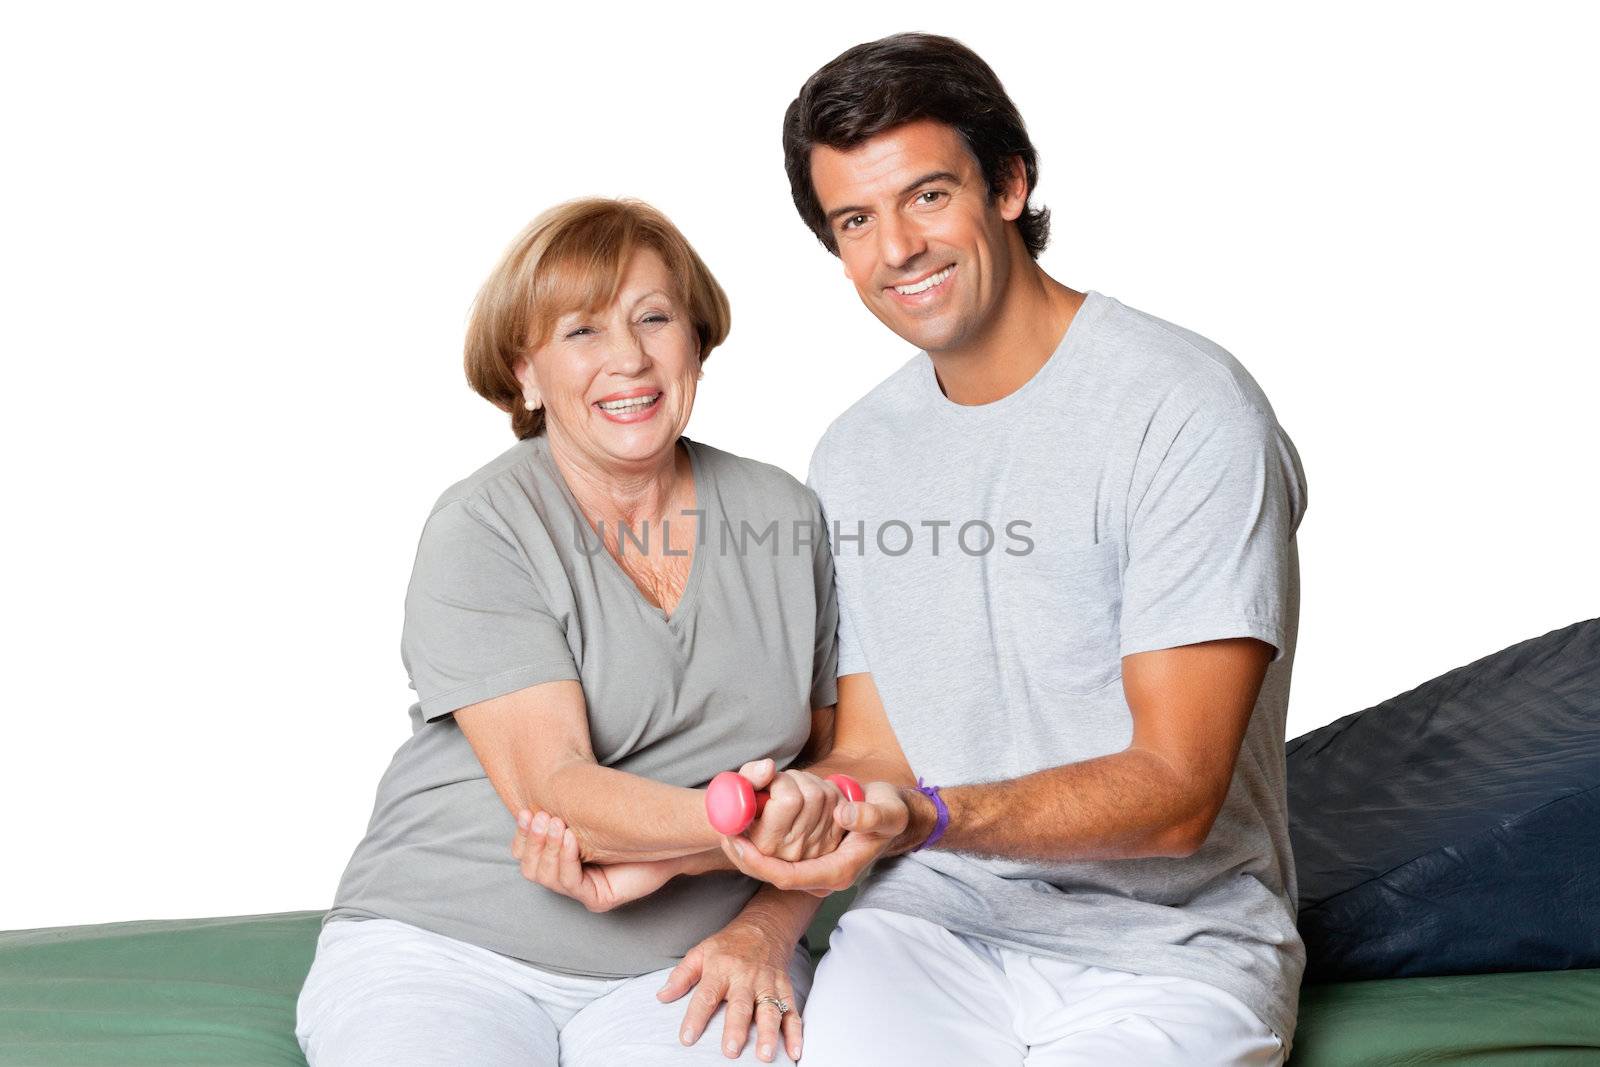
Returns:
(1027, 327)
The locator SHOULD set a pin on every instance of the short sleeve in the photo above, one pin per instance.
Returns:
(825, 659)
(476, 626)
(1209, 539)
(849, 658)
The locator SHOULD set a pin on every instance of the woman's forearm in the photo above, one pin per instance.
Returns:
(783, 915)
(620, 817)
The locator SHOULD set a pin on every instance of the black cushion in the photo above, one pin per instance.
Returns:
(1455, 828)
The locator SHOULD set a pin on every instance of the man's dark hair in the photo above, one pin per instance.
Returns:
(883, 84)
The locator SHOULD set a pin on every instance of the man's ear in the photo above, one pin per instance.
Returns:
(1014, 197)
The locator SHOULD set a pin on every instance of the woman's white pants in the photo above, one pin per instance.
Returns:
(386, 993)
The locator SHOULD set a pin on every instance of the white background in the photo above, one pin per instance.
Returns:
(239, 244)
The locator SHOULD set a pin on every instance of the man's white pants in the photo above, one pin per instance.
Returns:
(383, 992)
(896, 989)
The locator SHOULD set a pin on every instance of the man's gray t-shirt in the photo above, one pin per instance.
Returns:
(1137, 494)
(511, 588)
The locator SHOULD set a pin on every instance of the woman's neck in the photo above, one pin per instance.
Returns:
(633, 495)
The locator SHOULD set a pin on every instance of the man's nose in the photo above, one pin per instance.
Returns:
(899, 242)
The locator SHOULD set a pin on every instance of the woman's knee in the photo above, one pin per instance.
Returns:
(380, 997)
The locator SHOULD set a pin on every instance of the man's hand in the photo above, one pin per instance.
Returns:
(798, 821)
(548, 851)
(873, 827)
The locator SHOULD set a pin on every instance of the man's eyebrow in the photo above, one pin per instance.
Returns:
(932, 176)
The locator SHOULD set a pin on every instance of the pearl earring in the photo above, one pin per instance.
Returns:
(531, 404)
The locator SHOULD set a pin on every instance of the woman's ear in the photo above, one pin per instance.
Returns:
(531, 398)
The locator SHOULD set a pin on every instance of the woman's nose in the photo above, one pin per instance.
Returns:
(628, 355)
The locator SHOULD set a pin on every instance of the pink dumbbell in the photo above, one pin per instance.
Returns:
(732, 803)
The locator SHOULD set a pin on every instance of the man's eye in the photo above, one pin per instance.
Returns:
(855, 221)
(928, 196)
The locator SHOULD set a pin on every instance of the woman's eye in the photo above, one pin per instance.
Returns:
(580, 331)
(655, 316)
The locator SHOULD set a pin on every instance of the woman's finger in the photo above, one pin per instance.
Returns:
(532, 843)
(703, 1005)
(550, 854)
(569, 868)
(768, 1019)
(736, 1022)
(519, 843)
(793, 1038)
(683, 976)
(760, 772)
(780, 818)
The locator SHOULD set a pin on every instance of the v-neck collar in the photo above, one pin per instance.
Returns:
(593, 545)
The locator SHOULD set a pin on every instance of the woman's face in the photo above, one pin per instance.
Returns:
(617, 385)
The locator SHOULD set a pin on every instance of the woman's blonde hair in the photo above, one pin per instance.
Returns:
(572, 258)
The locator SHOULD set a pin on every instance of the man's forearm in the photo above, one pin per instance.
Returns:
(1126, 805)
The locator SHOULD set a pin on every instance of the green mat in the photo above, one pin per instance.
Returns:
(222, 991)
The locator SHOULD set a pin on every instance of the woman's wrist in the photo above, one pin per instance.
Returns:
(781, 916)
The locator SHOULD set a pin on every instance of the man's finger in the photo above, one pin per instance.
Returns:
(824, 871)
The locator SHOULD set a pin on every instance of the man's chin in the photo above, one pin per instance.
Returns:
(930, 335)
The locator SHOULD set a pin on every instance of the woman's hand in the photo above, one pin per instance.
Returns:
(548, 851)
(797, 822)
(740, 964)
(876, 826)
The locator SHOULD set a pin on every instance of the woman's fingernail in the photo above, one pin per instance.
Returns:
(847, 814)
(523, 818)
(539, 821)
(766, 1052)
(687, 1037)
(738, 850)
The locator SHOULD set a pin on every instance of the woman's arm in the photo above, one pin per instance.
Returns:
(534, 747)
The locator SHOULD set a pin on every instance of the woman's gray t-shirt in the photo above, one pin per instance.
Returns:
(512, 588)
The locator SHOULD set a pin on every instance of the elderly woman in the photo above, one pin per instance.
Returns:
(599, 620)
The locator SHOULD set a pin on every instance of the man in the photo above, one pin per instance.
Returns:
(1068, 585)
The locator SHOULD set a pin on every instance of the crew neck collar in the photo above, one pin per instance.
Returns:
(928, 381)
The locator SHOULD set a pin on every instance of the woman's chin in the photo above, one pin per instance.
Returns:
(637, 443)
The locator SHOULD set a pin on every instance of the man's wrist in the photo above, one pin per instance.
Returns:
(922, 816)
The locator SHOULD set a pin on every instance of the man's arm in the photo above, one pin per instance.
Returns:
(1158, 797)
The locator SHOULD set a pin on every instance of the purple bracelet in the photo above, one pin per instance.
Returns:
(941, 822)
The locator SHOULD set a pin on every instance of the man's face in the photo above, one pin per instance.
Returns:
(917, 231)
